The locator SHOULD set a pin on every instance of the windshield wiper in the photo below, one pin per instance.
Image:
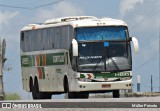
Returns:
(114, 63)
(98, 63)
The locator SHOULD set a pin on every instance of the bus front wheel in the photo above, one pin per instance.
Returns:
(116, 94)
(78, 95)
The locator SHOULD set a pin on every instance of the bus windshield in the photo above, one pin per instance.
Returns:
(101, 33)
(103, 56)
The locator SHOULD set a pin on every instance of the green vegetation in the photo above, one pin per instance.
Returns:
(142, 94)
(12, 96)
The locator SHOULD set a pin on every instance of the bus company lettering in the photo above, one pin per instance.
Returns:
(25, 61)
(58, 58)
(122, 74)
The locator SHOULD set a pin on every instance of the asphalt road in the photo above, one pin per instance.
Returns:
(94, 104)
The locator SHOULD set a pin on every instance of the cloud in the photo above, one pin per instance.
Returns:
(62, 9)
(142, 17)
(140, 12)
(6, 16)
(9, 27)
(127, 5)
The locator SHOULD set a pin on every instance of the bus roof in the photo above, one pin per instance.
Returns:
(76, 21)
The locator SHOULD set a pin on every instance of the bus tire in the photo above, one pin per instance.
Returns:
(46, 95)
(85, 95)
(35, 91)
(65, 85)
(116, 94)
(31, 84)
(78, 95)
(71, 95)
(39, 95)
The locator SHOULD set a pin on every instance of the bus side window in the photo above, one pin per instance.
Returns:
(51, 37)
(22, 41)
(22, 36)
(53, 45)
(57, 38)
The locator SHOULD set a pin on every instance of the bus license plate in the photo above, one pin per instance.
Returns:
(106, 85)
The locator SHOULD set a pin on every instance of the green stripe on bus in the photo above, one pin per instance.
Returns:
(55, 59)
(82, 76)
(108, 75)
(43, 72)
(51, 59)
(112, 75)
(27, 61)
(41, 61)
(67, 57)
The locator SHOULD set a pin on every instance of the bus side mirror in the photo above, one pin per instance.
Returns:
(135, 44)
(74, 47)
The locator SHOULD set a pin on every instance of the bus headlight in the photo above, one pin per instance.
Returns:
(84, 79)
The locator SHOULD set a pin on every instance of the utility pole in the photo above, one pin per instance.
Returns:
(1, 75)
(2, 61)
(138, 83)
(159, 57)
(3, 52)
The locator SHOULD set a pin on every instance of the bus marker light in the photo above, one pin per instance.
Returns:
(89, 76)
(33, 27)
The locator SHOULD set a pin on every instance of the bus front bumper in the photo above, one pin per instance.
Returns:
(104, 86)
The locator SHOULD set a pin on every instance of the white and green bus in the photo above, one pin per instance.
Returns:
(76, 55)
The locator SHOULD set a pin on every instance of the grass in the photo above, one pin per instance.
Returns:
(12, 96)
(143, 94)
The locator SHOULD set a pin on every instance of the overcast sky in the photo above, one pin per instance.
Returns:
(142, 17)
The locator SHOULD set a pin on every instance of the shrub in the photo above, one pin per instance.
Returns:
(12, 96)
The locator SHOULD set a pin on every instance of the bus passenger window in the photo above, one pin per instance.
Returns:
(22, 36)
(52, 45)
